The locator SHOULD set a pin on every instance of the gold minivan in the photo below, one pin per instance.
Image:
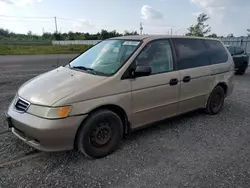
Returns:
(117, 86)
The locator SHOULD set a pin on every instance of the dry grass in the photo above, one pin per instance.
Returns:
(32, 50)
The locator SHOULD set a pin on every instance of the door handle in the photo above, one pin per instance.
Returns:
(173, 81)
(186, 79)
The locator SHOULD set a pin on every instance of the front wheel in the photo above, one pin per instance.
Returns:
(100, 134)
(215, 101)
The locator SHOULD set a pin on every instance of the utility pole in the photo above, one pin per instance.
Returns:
(56, 39)
(141, 28)
(56, 25)
(171, 31)
(43, 33)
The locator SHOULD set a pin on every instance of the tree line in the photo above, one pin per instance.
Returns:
(104, 34)
(200, 29)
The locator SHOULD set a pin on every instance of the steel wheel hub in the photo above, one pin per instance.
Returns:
(101, 134)
(217, 101)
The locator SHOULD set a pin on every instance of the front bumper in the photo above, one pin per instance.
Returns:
(44, 134)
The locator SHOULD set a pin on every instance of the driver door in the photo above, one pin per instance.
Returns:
(155, 97)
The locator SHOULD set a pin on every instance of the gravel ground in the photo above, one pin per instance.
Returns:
(194, 150)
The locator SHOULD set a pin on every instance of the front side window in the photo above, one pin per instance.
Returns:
(157, 55)
(106, 57)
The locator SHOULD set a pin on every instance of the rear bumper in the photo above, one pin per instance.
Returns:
(45, 134)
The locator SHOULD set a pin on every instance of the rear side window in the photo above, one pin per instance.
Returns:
(190, 53)
(216, 51)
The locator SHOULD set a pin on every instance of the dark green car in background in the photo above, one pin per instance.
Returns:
(240, 57)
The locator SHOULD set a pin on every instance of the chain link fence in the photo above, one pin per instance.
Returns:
(243, 42)
(70, 42)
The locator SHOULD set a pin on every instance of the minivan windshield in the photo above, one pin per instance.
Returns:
(106, 57)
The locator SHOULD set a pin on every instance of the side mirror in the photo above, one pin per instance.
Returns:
(142, 70)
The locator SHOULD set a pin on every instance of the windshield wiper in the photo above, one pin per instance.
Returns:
(82, 68)
(87, 69)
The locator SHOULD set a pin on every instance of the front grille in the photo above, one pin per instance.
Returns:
(21, 105)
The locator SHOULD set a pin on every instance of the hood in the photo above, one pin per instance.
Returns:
(54, 85)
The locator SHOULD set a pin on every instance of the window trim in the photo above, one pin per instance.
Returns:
(126, 74)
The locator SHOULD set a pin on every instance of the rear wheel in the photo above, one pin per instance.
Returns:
(215, 101)
(241, 71)
(100, 134)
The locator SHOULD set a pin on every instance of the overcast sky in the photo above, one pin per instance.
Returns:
(157, 16)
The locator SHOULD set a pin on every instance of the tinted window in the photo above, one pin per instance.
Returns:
(216, 51)
(190, 53)
(158, 56)
(238, 50)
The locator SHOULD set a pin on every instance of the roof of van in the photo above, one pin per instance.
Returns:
(152, 37)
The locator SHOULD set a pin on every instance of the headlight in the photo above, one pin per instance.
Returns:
(49, 112)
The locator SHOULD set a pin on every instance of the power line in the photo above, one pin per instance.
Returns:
(59, 19)
(17, 20)
(66, 19)
(62, 20)
(25, 17)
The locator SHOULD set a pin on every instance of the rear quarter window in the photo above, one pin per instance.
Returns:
(190, 53)
(216, 51)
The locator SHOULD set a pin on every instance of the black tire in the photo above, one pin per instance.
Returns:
(215, 101)
(241, 72)
(100, 134)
